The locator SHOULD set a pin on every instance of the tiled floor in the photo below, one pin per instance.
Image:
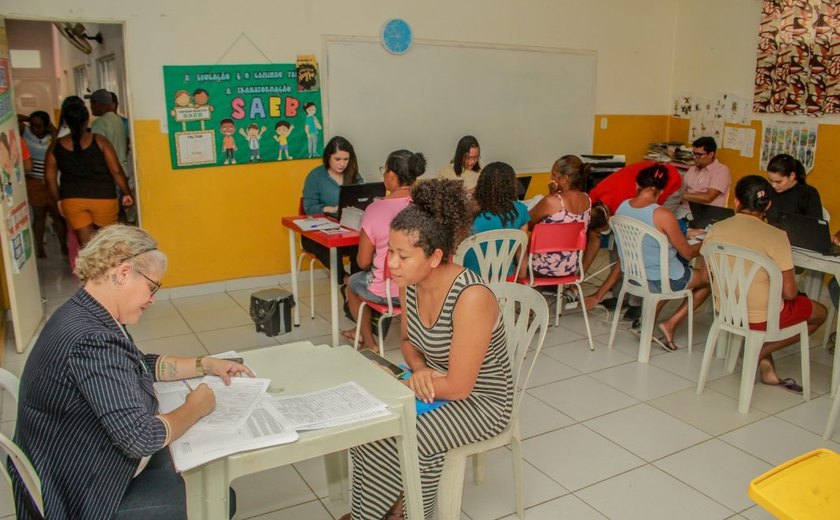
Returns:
(606, 437)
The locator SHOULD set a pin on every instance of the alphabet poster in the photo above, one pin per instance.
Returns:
(226, 115)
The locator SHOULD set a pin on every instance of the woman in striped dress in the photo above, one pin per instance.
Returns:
(453, 342)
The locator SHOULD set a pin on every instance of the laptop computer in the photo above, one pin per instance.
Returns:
(808, 233)
(522, 184)
(704, 215)
(359, 195)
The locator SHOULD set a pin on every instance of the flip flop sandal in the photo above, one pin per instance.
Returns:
(667, 344)
(790, 385)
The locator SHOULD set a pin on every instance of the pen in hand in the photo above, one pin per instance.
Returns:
(187, 384)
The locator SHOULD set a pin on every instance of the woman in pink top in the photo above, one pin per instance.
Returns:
(399, 173)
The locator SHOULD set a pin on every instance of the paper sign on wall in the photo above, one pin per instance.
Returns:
(796, 138)
(224, 115)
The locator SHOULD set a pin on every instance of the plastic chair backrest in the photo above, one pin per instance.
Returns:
(826, 214)
(25, 470)
(10, 383)
(629, 235)
(524, 313)
(386, 275)
(732, 270)
(558, 236)
(495, 252)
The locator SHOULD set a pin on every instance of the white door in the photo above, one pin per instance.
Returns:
(15, 228)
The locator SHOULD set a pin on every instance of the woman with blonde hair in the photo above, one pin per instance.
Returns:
(88, 415)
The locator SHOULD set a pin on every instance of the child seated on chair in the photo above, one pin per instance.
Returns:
(399, 173)
(753, 196)
(498, 207)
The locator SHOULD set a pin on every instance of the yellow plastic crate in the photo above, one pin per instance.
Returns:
(804, 488)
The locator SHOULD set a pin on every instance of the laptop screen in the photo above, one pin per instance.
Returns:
(806, 232)
(703, 215)
(359, 195)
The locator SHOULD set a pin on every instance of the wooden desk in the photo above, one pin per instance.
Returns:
(299, 368)
(333, 242)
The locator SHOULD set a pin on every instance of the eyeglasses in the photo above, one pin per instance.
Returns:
(474, 158)
(155, 287)
(700, 154)
(382, 170)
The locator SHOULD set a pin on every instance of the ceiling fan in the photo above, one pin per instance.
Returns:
(77, 35)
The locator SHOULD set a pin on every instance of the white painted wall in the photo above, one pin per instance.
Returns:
(634, 38)
(715, 49)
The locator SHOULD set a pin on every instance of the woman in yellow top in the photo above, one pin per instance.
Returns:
(464, 166)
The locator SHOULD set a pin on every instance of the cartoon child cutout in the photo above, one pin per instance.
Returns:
(283, 129)
(200, 100)
(182, 100)
(253, 136)
(227, 128)
(312, 128)
(6, 169)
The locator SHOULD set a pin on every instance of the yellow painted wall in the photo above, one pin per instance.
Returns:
(628, 134)
(216, 223)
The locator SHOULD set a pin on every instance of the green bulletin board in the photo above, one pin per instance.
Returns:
(224, 115)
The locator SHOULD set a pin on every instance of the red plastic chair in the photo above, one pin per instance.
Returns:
(554, 238)
(387, 310)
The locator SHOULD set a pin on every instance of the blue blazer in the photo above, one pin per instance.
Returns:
(86, 413)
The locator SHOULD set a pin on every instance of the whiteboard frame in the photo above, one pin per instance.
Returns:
(328, 39)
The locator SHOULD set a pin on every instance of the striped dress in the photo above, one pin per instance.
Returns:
(484, 414)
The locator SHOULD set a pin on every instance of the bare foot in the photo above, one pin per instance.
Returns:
(767, 370)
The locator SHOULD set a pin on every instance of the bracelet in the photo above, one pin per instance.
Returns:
(199, 370)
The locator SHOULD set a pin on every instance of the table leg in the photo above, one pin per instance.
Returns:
(409, 462)
(337, 468)
(293, 263)
(334, 295)
(207, 491)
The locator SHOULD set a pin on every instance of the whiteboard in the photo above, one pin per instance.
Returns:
(526, 106)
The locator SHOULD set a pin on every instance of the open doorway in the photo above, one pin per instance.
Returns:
(51, 60)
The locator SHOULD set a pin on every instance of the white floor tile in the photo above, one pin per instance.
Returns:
(309, 511)
(577, 457)
(651, 494)
(270, 490)
(775, 441)
(536, 417)
(494, 497)
(812, 416)
(717, 470)
(184, 345)
(757, 513)
(641, 380)
(313, 473)
(688, 365)
(578, 356)
(647, 432)
(160, 327)
(244, 337)
(712, 412)
(548, 370)
(568, 506)
(582, 397)
(767, 398)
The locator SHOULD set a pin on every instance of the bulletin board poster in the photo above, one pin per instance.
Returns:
(15, 209)
(226, 115)
(796, 138)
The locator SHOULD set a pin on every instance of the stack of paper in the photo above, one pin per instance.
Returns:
(318, 223)
(339, 405)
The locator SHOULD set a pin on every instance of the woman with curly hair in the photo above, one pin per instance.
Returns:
(566, 202)
(498, 207)
(453, 342)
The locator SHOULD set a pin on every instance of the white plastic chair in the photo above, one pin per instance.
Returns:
(629, 234)
(496, 252)
(732, 270)
(10, 383)
(299, 265)
(525, 315)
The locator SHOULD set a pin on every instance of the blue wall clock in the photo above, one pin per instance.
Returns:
(396, 36)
